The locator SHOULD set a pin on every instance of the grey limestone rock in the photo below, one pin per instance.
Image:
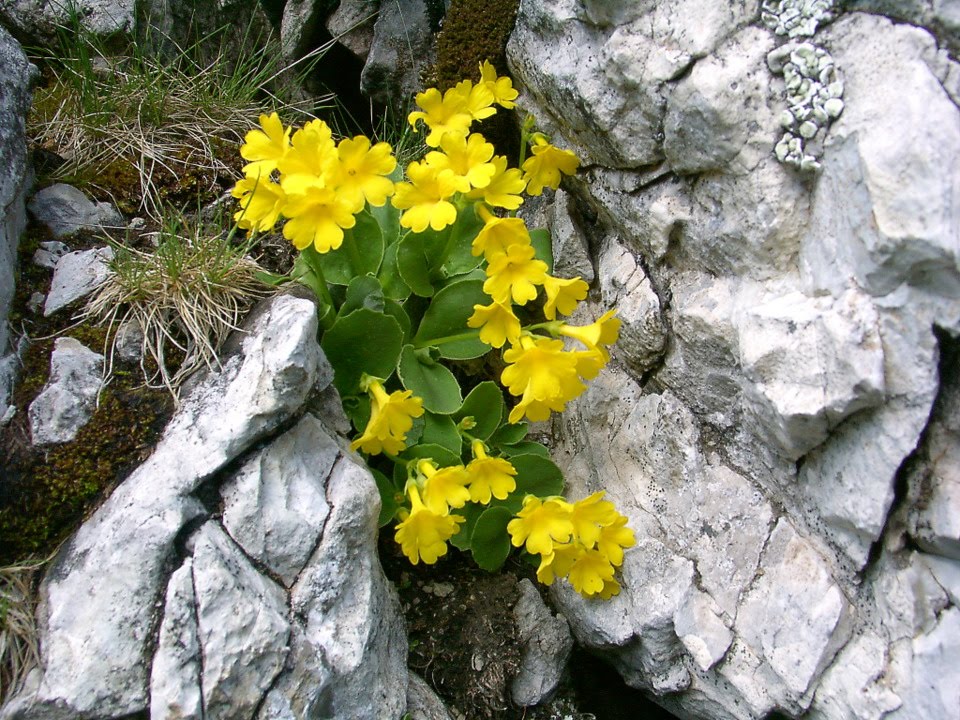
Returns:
(175, 690)
(64, 210)
(402, 47)
(75, 276)
(17, 76)
(547, 644)
(67, 401)
(422, 701)
(40, 20)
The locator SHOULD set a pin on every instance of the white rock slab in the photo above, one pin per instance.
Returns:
(810, 363)
(701, 628)
(929, 666)
(795, 616)
(884, 209)
(349, 650)
(855, 686)
(93, 652)
(625, 286)
(275, 506)
(242, 626)
(175, 671)
(69, 398)
(76, 275)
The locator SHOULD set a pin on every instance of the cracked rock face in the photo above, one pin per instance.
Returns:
(778, 422)
(276, 609)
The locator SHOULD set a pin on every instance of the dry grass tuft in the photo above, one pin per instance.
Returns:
(19, 644)
(184, 298)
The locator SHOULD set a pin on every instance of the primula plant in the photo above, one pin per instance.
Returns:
(416, 272)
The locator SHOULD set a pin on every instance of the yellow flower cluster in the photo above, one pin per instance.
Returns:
(391, 417)
(424, 530)
(463, 164)
(540, 371)
(582, 541)
(316, 183)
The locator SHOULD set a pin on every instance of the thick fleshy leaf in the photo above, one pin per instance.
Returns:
(393, 285)
(441, 430)
(509, 434)
(429, 380)
(536, 475)
(525, 447)
(471, 512)
(444, 325)
(542, 246)
(361, 251)
(390, 497)
(396, 311)
(490, 542)
(440, 455)
(461, 258)
(362, 342)
(362, 292)
(387, 216)
(485, 405)
(413, 264)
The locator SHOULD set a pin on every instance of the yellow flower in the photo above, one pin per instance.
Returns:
(540, 524)
(423, 534)
(614, 538)
(391, 417)
(504, 187)
(489, 476)
(363, 170)
(477, 99)
(597, 335)
(468, 159)
(264, 148)
(590, 515)
(590, 573)
(557, 563)
(498, 234)
(610, 588)
(443, 114)
(425, 198)
(501, 88)
(317, 214)
(497, 323)
(562, 295)
(445, 487)
(545, 164)
(312, 153)
(514, 274)
(543, 374)
(590, 362)
(260, 203)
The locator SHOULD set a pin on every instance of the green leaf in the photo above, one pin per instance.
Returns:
(536, 475)
(447, 318)
(440, 455)
(272, 279)
(393, 285)
(471, 512)
(465, 229)
(413, 263)
(441, 430)
(490, 542)
(509, 434)
(485, 405)
(396, 311)
(361, 252)
(429, 380)
(362, 342)
(363, 292)
(304, 274)
(387, 216)
(542, 246)
(526, 447)
(390, 498)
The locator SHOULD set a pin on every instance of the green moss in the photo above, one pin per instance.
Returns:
(46, 492)
(474, 31)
